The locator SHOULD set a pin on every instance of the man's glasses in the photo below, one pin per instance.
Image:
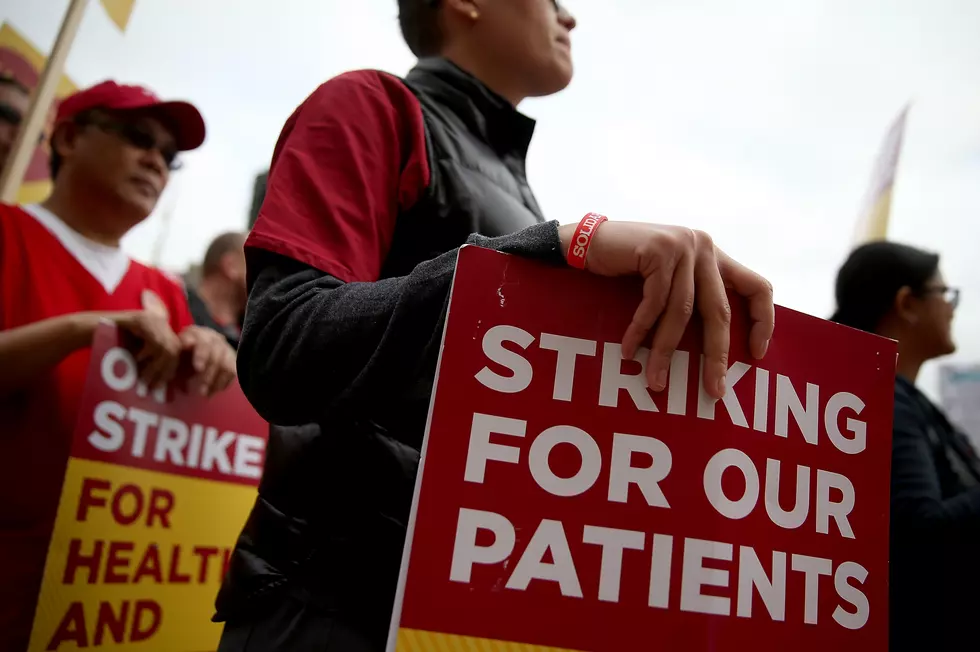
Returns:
(948, 294)
(140, 137)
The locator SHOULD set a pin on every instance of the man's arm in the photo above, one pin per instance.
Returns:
(28, 352)
(313, 344)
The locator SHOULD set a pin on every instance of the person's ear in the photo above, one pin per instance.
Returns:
(468, 9)
(905, 305)
(64, 140)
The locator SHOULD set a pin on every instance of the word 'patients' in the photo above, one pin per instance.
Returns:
(562, 503)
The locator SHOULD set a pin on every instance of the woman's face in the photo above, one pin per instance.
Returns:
(530, 40)
(936, 303)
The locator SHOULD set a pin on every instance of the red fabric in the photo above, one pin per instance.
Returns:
(109, 95)
(349, 159)
(40, 279)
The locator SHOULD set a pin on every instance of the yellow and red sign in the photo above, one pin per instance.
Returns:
(157, 488)
(22, 61)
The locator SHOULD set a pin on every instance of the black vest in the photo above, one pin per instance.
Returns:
(477, 145)
(329, 524)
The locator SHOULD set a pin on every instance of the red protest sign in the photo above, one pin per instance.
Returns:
(219, 438)
(561, 503)
(155, 493)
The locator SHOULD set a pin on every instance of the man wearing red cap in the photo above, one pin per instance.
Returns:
(61, 272)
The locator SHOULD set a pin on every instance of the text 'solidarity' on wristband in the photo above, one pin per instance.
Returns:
(579, 248)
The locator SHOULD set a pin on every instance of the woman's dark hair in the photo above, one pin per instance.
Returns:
(419, 22)
(871, 277)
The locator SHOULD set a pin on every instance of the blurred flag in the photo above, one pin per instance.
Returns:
(872, 221)
(119, 11)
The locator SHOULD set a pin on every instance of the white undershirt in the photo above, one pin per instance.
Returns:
(108, 265)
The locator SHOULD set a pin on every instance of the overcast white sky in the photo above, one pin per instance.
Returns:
(757, 121)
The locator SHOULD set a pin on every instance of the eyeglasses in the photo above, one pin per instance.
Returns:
(140, 137)
(948, 294)
(10, 115)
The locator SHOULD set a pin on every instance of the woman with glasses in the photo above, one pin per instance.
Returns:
(898, 291)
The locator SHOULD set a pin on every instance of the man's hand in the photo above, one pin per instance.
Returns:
(682, 271)
(213, 359)
(159, 355)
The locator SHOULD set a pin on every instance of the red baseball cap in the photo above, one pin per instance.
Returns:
(183, 117)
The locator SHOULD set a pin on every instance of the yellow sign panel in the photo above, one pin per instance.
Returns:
(136, 559)
(413, 640)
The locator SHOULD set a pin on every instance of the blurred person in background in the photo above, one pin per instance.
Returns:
(899, 292)
(375, 183)
(62, 272)
(15, 100)
(218, 300)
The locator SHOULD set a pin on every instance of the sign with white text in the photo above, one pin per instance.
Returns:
(156, 491)
(561, 504)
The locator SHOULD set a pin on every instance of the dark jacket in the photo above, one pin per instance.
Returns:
(203, 317)
(935, 529)
(359, 359)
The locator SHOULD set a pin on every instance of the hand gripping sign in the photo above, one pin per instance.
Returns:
(156, 491)
(561, 504)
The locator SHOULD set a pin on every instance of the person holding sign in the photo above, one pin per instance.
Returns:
(375, 184)
(62, 272)
(898, 291)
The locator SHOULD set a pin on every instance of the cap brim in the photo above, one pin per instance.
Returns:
(186, 120)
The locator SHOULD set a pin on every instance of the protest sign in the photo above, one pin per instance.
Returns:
(561, 504)
(156, 491)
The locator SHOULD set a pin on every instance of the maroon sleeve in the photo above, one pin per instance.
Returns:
(349, 159)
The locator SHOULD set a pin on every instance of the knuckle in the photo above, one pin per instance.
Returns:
(724, 313)
(722, 357)
(685, 238)
(661, 353)
(689, 234)
(686, 307)
(703, 240)
(767, 288)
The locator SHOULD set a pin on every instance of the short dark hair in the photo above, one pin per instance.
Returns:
(419, 21)
(223, 244)
(871, 277)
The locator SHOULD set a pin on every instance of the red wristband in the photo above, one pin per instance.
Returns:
(579, 247)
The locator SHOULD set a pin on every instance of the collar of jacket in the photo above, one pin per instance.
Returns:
(486, 114)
